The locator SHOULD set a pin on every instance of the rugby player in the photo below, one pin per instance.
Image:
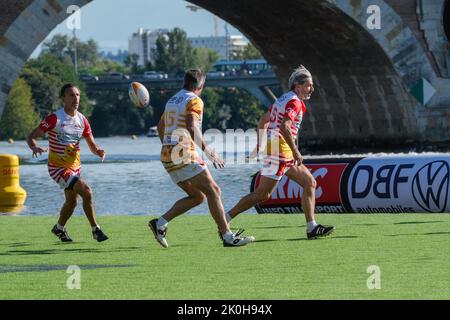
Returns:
(65, 128)
(282, 157)
(180, 132)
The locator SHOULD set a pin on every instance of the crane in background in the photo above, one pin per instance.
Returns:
(195, 8)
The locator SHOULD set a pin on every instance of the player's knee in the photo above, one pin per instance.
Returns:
(311, 184)
(71, 204)
(213, 190)
(217, 190)
(87, 194)
(262, 196)
(200, 198)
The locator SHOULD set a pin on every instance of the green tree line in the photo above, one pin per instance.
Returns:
(35, 94)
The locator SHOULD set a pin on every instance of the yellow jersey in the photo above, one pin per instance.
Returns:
(178, 146)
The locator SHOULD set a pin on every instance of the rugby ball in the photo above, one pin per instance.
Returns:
(138, 94)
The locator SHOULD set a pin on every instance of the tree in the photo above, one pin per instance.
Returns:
(131, 61)
(46, 75)
(104, 66)
(245, 109)
(44, 89)
(248, 53)
(87, 52)
(205, 58)
(56, 46)
(174, 53)
(63, 47)
(216, 114)
(19, 117)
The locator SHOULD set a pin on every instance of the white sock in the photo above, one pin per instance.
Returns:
(228, 236)
(161, 223)
(59, 227)
(228, 217)
(311, 225)
(95, 227)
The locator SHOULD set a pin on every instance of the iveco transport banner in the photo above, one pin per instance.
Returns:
(368, 185)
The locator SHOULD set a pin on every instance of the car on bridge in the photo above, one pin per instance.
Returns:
(87, 77)
(155, 75)
(215, 74)
(117, 76)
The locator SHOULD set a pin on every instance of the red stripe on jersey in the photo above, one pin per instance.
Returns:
(56, 173)
(48, 123)
(55, 142)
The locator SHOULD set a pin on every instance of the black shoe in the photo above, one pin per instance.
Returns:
(99, 235)
(61, 234)
(320, 231)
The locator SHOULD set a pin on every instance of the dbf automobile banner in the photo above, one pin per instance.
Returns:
(368, 185)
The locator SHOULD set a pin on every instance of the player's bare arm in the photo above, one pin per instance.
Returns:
(95, 149)
(161, 127)
(262, 127)
(32, 143)
(285, 130)
(192, 125)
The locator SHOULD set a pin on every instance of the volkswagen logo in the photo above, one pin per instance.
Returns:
(430, 186)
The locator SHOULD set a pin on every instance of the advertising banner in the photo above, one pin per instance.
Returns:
(329, 174)
(394, 184)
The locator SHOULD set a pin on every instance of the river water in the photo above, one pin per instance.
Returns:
(131, 180)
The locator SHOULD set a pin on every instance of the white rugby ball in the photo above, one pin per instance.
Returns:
(138, 94)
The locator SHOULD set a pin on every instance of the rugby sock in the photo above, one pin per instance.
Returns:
(59, 227)
(161, 223)
(311, 225)
(228, 236)
(228, 217)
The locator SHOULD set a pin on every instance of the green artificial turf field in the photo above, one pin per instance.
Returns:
(410, 250)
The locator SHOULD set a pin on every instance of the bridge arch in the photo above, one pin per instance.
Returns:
(363, 77)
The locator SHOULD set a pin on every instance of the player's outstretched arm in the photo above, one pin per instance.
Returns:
(95, 149)
(262, 127)
(32, 143)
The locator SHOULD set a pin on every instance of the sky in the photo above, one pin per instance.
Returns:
(111, 22)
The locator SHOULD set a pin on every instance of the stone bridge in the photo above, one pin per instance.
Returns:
(381, 67)
(260, 86)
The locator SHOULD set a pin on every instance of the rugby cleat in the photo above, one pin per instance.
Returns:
(237, 240)
(61, 234)
(99, 235)
(320, 231)
(236, 234)
(160, 234)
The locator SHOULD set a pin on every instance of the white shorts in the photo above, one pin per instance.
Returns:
(183, 172)
(64, 177)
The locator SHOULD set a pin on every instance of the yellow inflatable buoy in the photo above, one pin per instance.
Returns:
(12, 195)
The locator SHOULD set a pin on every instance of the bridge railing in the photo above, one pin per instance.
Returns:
(172, 77)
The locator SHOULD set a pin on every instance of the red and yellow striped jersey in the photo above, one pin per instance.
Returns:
(290, 106)
(64, 135)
